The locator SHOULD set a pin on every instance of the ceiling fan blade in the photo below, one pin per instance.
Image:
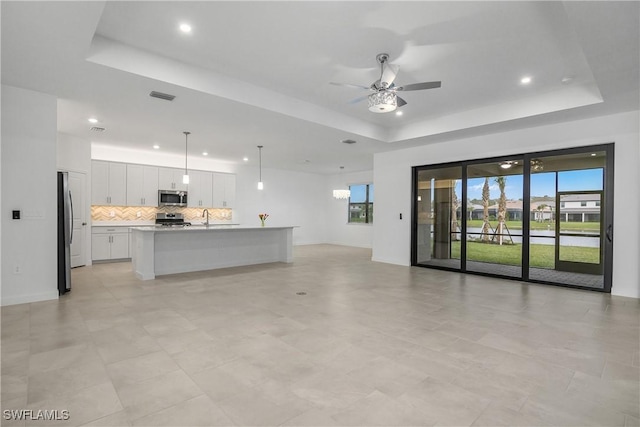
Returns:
(388, 74)
(420, 86)
(355, 101)
(349, 85)
(400, 101)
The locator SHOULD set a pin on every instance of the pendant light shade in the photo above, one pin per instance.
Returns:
(341, 194)
(185, 177)
(260, 183)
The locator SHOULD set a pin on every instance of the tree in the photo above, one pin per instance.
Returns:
(541, 207)
(502, 206)
(455, 203)
(485, 205)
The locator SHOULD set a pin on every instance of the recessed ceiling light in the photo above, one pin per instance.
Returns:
(185, 28)
(566, 80)
(398, 113)
(593, 154)
(525, 80)
(246, 159)
(156, 147)
(93, 120)
(204, 153)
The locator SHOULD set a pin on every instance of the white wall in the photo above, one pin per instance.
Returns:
(29, 183)
(290, 198)
(74, 155)
(392, 180)
(340, 232)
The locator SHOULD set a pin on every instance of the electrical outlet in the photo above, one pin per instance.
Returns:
(138, 214)
(16, 269)
(112, 214)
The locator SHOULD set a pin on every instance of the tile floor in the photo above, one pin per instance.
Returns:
(369, 344)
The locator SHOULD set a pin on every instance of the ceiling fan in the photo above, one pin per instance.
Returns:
(384, 98)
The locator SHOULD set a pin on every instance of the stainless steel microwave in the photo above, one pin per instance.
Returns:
(172, 198)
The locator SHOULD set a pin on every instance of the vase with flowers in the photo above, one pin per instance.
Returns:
(263, 217)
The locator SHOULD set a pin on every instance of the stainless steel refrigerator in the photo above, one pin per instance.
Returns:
(65, 233)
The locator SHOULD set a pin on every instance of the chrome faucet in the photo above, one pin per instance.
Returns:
(206, 213)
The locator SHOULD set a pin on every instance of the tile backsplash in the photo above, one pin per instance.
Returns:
(142, 213)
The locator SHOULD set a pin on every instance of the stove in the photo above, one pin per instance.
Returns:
(171, 220)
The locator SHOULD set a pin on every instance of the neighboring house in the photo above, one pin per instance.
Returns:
(580, 208)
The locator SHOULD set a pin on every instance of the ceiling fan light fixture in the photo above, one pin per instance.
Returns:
(383, 102)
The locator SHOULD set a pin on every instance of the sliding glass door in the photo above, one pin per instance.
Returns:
(540, 217)
(437, 219)
(494, 223)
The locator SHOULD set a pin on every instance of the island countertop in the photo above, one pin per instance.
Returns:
(170, 250)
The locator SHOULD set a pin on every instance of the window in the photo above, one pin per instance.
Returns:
(583, 204)
(361, 204)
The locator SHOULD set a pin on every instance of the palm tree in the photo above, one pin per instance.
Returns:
(541, 208)
(485, 205)
(455, 203)
(502, 206)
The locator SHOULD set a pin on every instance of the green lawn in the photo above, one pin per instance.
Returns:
(517, 225)
(540, 255)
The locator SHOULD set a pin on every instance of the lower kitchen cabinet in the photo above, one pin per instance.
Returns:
(109, 243)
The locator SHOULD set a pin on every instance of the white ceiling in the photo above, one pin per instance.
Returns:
(258, 73)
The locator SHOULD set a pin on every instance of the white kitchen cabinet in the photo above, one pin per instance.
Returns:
(142, 185)
(108, 183)
(109, 243)
(171, 179)
(200, 189)
(224, 190)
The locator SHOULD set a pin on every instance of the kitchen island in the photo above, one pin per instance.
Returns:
(167, 250)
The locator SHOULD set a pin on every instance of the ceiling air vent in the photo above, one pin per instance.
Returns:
(161, 95)
(97, 129)
(348, 141)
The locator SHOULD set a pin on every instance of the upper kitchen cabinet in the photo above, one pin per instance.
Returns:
(224, 190)
(108, 183)
(142, 185)
(200, 189)
(171, 179)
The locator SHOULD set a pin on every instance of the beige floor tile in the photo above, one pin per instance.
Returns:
(619, 395)
(630, 421)
(116, 419)
(496, 415)
(123, 342)
(199, 411)
(140, 368)
(476, 353)
(184, 340)
(218, 384)
(378, 409)
(568, 409)
(617, 371)
(313, 418)
(238, 346)
(445, 404)
(264, 411)
(61, 383)
(387, 376)
(207, 356)
(542, 373)
(331, 390)
(161, 392)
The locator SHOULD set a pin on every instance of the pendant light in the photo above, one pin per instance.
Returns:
(260, 183)
(341, 194)
(185, 177)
